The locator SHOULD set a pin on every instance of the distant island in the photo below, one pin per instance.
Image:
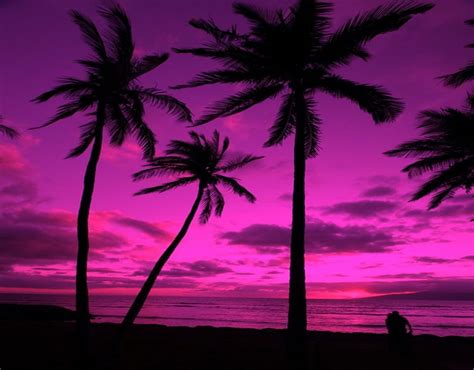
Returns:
(428, 295)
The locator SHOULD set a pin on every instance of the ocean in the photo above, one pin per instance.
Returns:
(442, 318)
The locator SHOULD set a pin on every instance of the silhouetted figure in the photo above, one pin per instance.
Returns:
(397, 325)
(399, 332)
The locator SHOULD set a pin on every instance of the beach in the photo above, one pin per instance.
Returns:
(51, 345)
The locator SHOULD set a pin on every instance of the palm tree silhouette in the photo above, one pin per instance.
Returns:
(292, 54)
(8, 131)
(200, 161)
(444, 149)
(115, 99)
(466, 73)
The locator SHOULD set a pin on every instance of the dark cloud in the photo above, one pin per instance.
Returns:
(54, 219)
(433, 260)
(21, 280)
(286, 197)
(49, 244)
(370, 266)
(321, 237)
(444, 211)
(469, 258)
(61, 281)
(20, 189)
(38, 237)
(362, 208)
(418, 275)
(462, 198)
(197, 269)
(149, 228)
(379, 191)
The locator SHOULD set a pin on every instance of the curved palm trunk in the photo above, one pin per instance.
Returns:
(150, 281)
(297, 289)
(82, 294)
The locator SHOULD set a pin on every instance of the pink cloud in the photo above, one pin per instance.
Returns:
(12, 163)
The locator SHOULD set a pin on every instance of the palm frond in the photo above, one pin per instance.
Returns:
(148, 63)
(217, 200)
(238, 163)
(207, 205)
(454, 177)
(470, 22)
(254, 14)
(9, 131)
(87, 137)
(119, 35)
(69, 87)
(172, 105)
(442, 195)
(349, 40)
(261, 21)
(145, 137)
(284, 124)
(415, 148)
(430, 164)
(372, 99)
(225, 146)
(69, 109)
(232, 184)
(118, 125)
(201, 159)
(217, 77)
(457, 79)
(312, 125)
(90, 34)
(166, 165)
(210, 27)
(239, 102)
(311, 22)
(168, 186)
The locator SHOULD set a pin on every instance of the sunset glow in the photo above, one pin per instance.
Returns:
(363, 236)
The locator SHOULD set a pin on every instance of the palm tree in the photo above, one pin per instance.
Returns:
(200, 161)
(292, 54)
(8, 131)
(114, 98)
(445, 149)
(466, 73)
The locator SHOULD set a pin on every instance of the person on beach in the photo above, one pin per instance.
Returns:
(397, 325)
(399, 332)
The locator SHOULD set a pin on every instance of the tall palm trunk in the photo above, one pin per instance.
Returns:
(297, 294)
(150, 281)
(82, 294)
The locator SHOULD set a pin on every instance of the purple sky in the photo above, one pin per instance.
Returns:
(363, 236)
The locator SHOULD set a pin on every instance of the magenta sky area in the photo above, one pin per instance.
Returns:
(363, 237)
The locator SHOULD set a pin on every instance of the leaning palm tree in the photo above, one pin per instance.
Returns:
(465, 74)
(292, 54)
(200, 161)
(8, 131)
(445, 149)
(113, 97)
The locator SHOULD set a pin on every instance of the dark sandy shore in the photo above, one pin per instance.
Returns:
(50, 345)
